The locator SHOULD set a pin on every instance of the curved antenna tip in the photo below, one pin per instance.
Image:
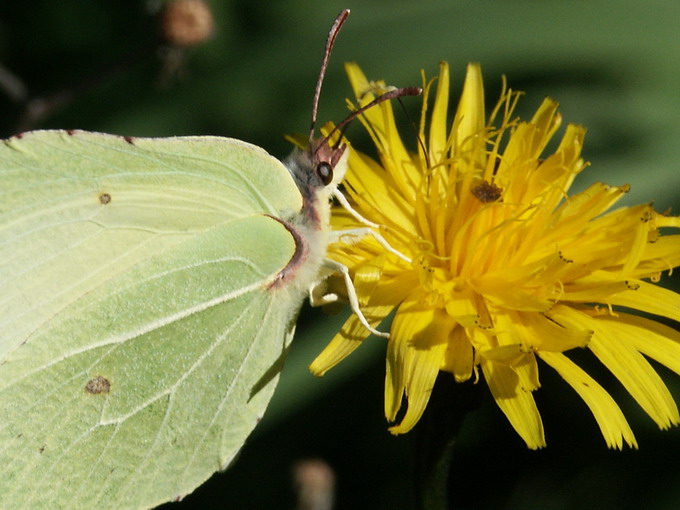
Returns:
(330, 41)
(387, 96)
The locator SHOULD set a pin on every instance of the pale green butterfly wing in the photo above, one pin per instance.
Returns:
(87, 206)
(140, 317)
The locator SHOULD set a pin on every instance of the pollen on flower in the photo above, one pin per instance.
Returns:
(507, 267)
(565, 259)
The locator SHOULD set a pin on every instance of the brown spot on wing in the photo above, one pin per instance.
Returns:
(97, 385)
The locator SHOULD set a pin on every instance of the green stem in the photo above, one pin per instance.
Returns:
(437, 432)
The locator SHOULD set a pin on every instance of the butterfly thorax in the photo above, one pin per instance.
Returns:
(310, 225)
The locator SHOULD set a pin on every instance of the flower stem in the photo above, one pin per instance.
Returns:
(437, 432)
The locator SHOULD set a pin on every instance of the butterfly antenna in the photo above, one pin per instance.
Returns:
(392, 94)
(421, 142)
(330, 41)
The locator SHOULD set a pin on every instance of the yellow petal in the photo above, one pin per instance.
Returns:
(548, 334)
(593, 201)
(506, 294)
(518, 405)
(382, 127)
(509, 329)
(668, 221)
(357, 79)
(546, 120)
(650, 298)
(607, 413)
(651, 338)
(527, 371)
(522, 362)
(598, 287)
(637, 243)
(459, 355)
(555, 175)
(438, 138)
(661, 255)
(415, 352)
(610, 345)
(351, 335)
(469, 122)
(424, 367)
(371, 187)
(367, 277)
(526, 144)
(462, 307)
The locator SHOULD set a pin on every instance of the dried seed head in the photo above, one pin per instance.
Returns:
(186, 22)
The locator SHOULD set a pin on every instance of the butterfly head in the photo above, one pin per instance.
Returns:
(328, 161)
(321, 165)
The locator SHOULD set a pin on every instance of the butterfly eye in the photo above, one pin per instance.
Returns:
(324, 171)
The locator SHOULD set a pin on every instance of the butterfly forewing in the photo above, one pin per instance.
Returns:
(140, 320)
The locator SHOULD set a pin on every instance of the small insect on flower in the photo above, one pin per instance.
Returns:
(502, 266)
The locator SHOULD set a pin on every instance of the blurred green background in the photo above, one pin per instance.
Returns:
(614, 67)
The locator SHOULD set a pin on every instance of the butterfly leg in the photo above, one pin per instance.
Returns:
(318, 292)
(317, 296)
(356, 234)
(347, 207)
(369, 230)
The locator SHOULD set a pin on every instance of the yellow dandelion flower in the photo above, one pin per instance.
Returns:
(506, 267)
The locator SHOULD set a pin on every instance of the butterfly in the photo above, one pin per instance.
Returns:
(150, 288)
